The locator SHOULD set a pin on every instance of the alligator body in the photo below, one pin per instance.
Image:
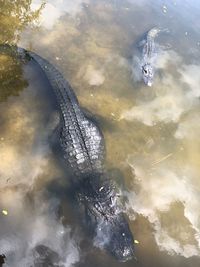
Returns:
(149, 54)
(80, 139)
(83, 151)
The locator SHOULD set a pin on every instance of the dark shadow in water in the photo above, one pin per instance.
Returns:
(46, 257)
(2, 259)
(71, 214)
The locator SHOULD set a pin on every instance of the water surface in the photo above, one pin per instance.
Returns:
(151, 134)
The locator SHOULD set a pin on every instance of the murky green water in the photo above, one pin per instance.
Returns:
(151, 134)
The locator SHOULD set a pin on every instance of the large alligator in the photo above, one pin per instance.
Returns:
(82, 146)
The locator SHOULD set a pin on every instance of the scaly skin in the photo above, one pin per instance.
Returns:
(83, 150)
(149, 47)
(148, 56)
(81, 140)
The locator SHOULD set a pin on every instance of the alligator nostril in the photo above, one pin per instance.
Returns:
(127, 254)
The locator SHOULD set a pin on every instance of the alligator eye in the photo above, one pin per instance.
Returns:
(145, 71)
(101, 188)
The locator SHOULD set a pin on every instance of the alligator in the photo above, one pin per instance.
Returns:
(149, 54)
(83, 150)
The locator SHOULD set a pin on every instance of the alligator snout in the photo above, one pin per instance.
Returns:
(149, 83)
(124, 254)
(147, 74)
(121, 244)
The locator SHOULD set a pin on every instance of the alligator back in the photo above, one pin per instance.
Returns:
(149, 44)
(80, 139)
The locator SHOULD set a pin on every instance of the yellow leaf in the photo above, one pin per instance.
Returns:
(5, 212)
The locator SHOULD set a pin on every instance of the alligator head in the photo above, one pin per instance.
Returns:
(115, 236)
(147, 74)
(105, 218)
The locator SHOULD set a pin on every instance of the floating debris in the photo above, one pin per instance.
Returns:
(5, 212)
(8, 180)
(164, 9)
(136, 241)
(150, 142)
(162, 159)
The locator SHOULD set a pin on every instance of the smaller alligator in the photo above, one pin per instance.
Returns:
(149, 54)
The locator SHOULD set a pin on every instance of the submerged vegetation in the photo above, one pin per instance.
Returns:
(14, 17)
(11, 77)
